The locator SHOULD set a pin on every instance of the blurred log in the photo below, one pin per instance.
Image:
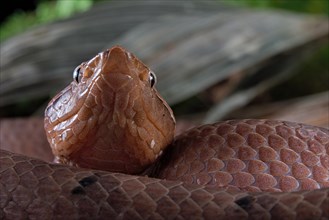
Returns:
(275, 70)
(39, 62)
(191, 45)
(313, 110)
(203, 50)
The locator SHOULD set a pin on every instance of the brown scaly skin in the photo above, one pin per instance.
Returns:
(33, 189)
(248, 155)
(111, 118)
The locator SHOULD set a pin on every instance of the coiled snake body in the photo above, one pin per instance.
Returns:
(110, 119)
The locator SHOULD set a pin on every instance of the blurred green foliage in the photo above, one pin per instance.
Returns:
(46, 11)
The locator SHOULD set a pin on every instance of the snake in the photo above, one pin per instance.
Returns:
(116, 156)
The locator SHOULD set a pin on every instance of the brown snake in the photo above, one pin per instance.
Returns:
(111, 118)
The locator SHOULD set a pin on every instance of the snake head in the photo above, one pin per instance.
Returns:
(111, 116)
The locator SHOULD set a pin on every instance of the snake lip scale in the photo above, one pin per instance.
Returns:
(110, 125)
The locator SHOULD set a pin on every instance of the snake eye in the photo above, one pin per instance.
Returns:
(77, 75)
(152, 79)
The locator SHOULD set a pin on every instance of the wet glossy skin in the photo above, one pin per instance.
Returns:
(111, 116)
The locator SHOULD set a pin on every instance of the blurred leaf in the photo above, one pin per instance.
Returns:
(45, 12)
(67, 8)
(18, 22)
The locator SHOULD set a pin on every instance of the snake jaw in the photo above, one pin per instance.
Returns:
(114, 118)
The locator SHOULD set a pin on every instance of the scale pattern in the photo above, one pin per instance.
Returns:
(33, 189)
(251, 155)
